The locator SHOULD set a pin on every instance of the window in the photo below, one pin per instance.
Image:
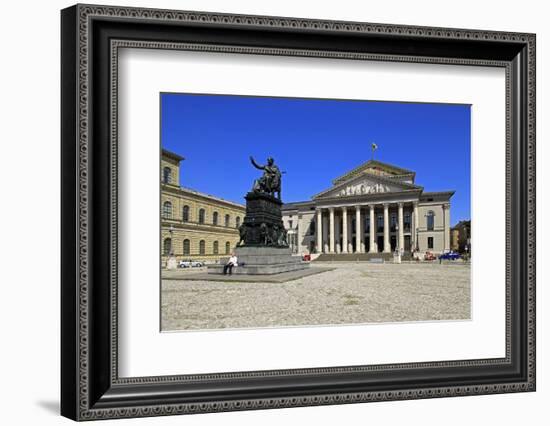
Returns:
(237, 221)
(215, 249)
(393, 221)
(167, 210)
(167, 247)
(202, 247)
(430, 220)
(430, 242)
(227, 219)
(202, 214)
(367, 225)
(186, 246)
(185, 214)
(353, 226)
(227, 247)
(289, 224)
(407, 221)
(167, 175)
(380, 223)
(215, 218)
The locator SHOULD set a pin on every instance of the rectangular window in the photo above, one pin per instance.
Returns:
(430, 242)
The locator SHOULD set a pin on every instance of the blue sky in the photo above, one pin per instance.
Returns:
(314, 141)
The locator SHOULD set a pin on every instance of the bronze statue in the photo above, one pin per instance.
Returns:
(242, 234)
(270, 182)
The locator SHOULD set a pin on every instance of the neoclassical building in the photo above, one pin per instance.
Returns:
(194, 225)
(374, 208)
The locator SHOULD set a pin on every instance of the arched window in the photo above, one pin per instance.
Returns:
(202, 247)
(167, 247)
(215, 247)
(186, 246)
(227, 220)
(215, 218)
(227, 247)
(167, 210)
(167, 175)
(202, 214)
(430, 220)
(185, 214)
(237, 222)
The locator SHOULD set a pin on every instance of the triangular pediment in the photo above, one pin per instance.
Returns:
(377, 168)
(366, 184)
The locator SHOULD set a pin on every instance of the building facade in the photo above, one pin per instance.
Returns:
(194, 225)
(461, 237)
(374, 208)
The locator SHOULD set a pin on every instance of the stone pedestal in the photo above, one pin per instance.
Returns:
(171, 263)
(262, 261)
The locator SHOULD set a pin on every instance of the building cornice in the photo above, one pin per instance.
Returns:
(172, 155)
(180, 190)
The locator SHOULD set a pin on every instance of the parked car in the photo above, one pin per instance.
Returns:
(190, 263)
(449, 256)
(429, 256)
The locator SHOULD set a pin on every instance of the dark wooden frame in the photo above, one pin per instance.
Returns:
(90, 386)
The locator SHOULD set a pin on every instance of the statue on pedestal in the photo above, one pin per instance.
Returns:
(270, 182)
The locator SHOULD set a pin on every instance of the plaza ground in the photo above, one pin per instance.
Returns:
(351, 293)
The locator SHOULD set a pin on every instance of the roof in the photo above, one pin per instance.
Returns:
(374, 165)
(172, 155)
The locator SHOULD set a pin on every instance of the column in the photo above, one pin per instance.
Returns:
(350, 244)
(447, 227)
(325, 234)
(387, 247)
(319, 231)
(331, 230)
(372, 230)
(299, 235)
(344, 229)
(400, 236)
(415, 226)
(357, 229)
(337, 233)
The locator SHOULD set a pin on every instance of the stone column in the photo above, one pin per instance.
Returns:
(350, 244)
(357, 229)
(319, 231)
(415, 225)
(372, 230)
(344, 229)
(299, 235)
(337, 233)
(446, 227)
(387, 247)
(325, 234)
(331, 229)
(401, 237)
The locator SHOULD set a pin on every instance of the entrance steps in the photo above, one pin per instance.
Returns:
(359, 257)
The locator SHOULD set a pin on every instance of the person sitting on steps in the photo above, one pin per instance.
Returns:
(232, 262)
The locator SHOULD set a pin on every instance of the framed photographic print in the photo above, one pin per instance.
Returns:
(263, 212)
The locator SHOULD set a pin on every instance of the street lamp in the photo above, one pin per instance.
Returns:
(171, 231)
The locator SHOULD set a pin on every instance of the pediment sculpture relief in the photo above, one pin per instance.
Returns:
(363, 188)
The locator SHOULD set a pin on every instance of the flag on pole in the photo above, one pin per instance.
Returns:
(374, 147)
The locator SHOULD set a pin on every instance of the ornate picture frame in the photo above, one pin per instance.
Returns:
(90, 38)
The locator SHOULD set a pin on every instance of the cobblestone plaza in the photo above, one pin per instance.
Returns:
(352, 293)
